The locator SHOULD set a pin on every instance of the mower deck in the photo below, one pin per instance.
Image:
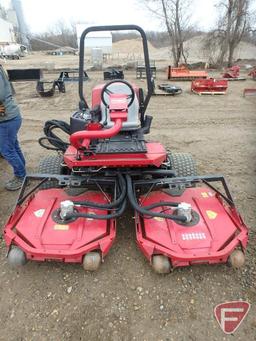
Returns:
(216, 231)
(34, 228)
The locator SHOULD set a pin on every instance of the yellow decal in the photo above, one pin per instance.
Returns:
(61, 227)
(159, 218)
(204, 194)
(211, 214)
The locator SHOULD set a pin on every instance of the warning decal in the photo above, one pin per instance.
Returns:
(211, 214)
(61, 227)
(39, 213)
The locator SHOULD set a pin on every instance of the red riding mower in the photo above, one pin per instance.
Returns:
(70, 214)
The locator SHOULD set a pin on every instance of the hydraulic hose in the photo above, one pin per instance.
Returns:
(113, 204)
(146, 211)
(117, 214)
(52, 138)
(161, 203)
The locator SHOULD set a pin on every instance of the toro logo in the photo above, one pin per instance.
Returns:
(231, 314)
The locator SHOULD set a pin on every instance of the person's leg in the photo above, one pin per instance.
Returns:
(19, 152)
(8, 138)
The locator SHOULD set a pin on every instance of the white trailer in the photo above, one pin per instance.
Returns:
(12, 51)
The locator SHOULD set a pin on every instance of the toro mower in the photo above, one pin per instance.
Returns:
(70, 215)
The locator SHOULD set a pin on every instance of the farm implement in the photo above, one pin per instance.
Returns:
(68, 211)
(182, 73)
(233, 74)
(209, 86)
(252, 73)
(166, 90)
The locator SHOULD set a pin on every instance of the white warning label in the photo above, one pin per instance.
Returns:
(193, 236)
(39, 213)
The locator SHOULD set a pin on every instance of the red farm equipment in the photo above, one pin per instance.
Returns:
(233, 74)
(249, 92)
(209, 86)
(182, 73)
(68, 212)
(252, 73)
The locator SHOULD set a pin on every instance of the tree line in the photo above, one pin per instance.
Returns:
(235, 22)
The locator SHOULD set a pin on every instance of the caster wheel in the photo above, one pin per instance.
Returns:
(161, 264)
(236, 259)
(91, 261)
(16, 257)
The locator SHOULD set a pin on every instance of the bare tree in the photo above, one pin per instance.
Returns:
(174, 14)
(62, 34)
(233, 23)
(3, 13)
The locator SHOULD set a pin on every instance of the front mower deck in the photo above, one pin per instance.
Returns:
(215, 233)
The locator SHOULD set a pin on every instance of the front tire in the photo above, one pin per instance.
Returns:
(50, 165)
(183, 164)
(92, 261)
(161, 264)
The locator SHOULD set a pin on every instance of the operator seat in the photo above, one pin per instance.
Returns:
(133, 121)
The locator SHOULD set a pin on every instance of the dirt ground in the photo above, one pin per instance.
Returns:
(125, 299)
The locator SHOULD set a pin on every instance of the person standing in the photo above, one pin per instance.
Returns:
(10, 123)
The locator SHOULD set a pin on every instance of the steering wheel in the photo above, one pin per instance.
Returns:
(107, 91)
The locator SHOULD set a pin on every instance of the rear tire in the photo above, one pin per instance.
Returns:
(50, 165)
(183, 164)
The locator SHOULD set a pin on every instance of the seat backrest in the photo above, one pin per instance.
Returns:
(133, 121)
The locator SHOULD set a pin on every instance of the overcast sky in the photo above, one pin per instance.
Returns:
(41, 15)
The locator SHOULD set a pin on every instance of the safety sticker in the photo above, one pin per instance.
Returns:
(39, 213)
(193, 236)
(211, 214)
(207, 194)
(60, 227)
(159, 218)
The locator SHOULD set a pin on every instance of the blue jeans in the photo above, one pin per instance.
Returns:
(9, 146)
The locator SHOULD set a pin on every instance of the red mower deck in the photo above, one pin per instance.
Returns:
(211, 239)
(33, 229)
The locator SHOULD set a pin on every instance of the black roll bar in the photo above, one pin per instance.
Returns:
(83, 104)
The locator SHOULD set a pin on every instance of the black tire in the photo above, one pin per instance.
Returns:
(183, 164)
(50, 165)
